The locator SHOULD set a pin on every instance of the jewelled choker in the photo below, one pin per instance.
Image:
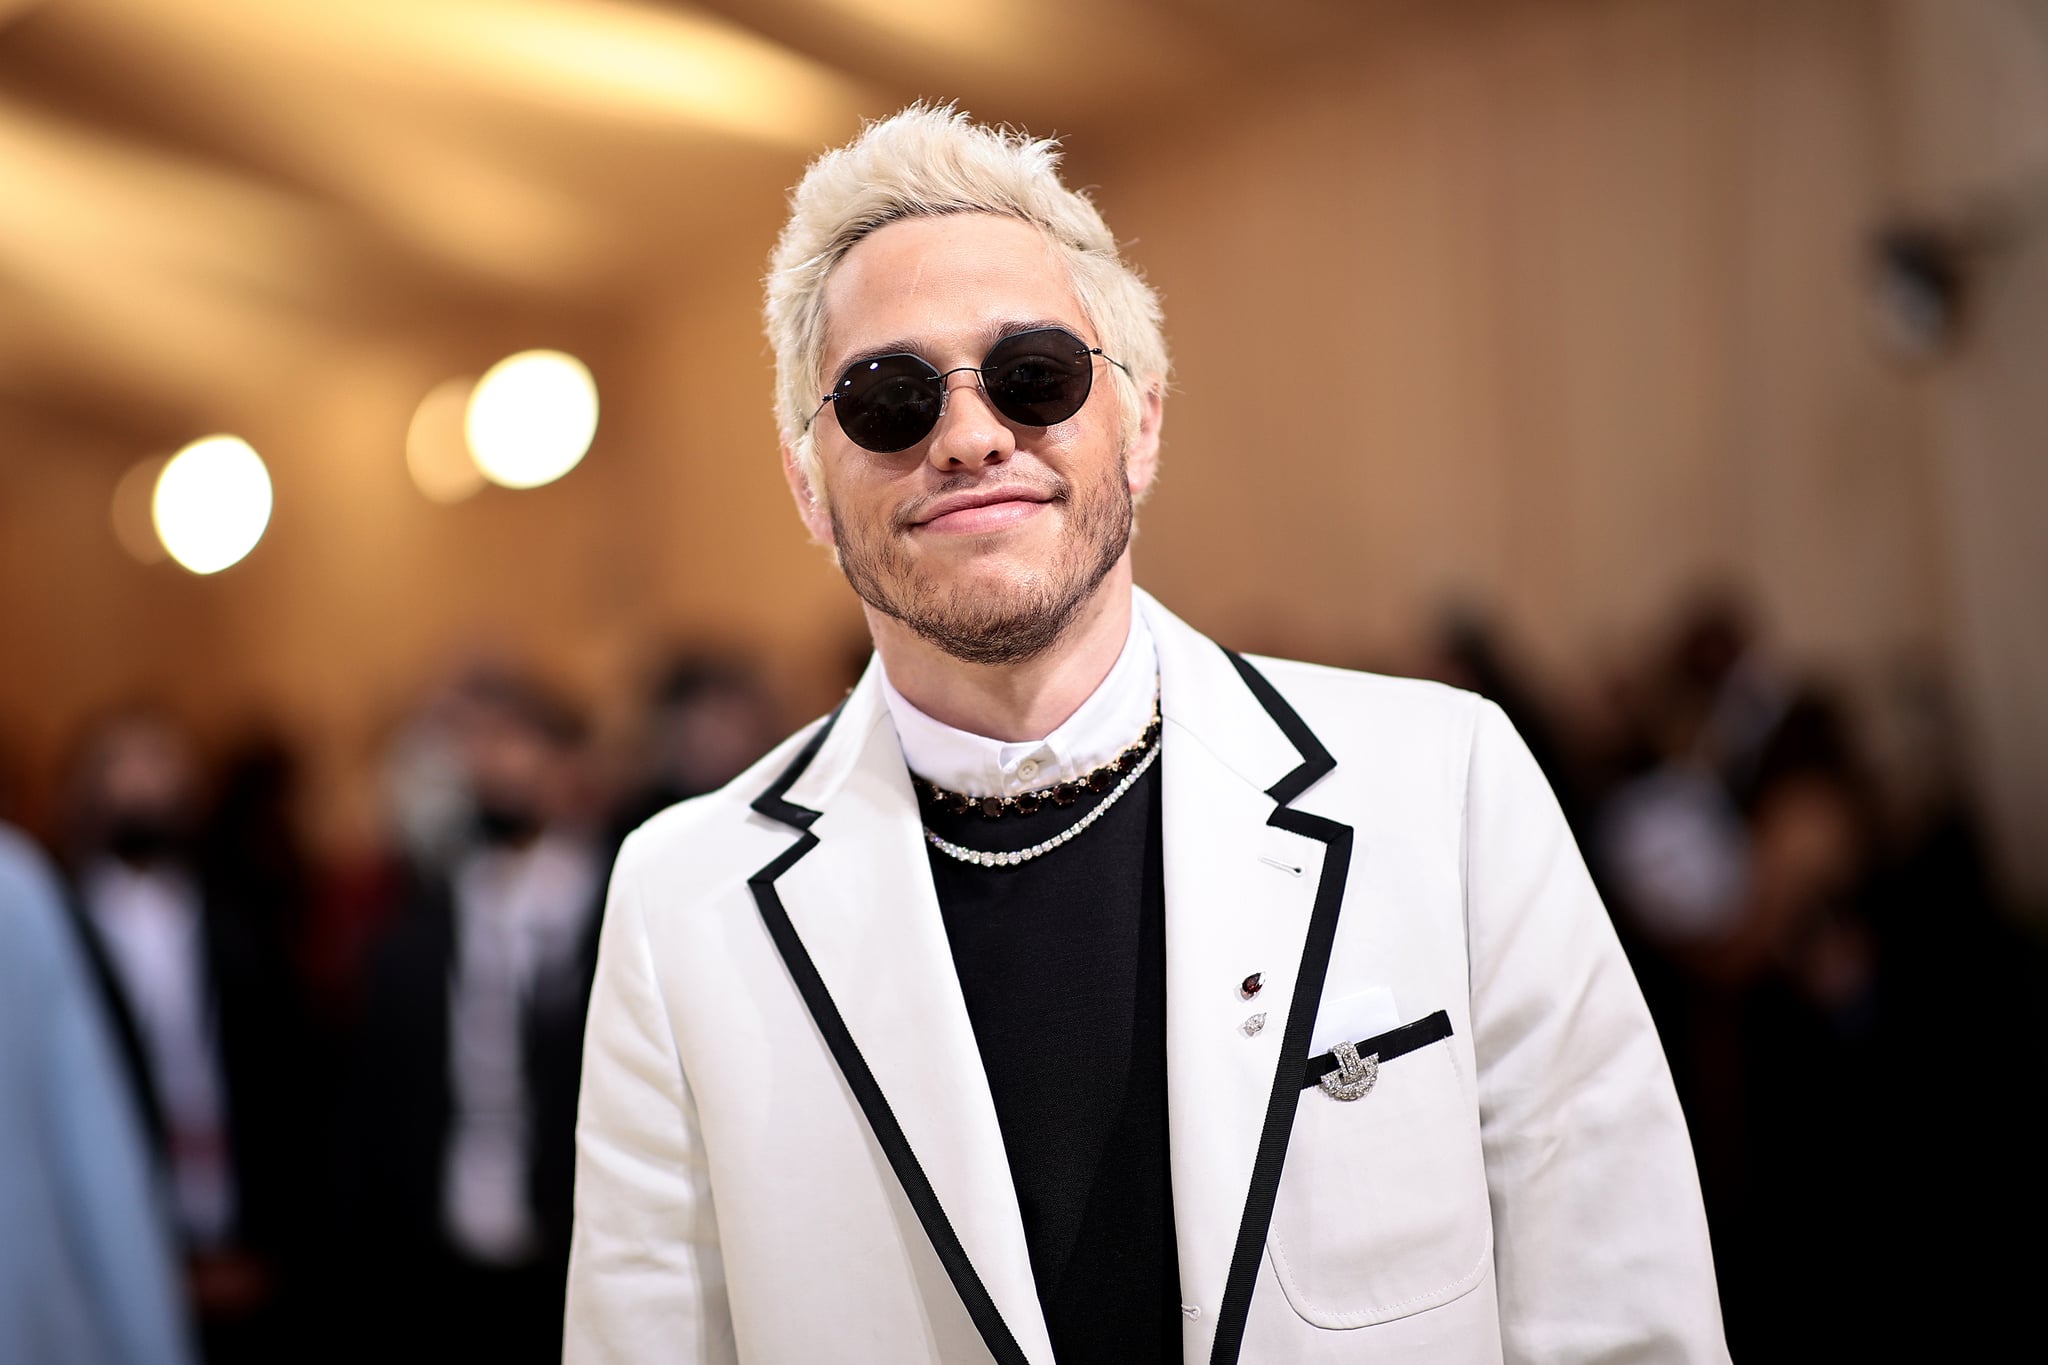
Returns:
(1114, 777)
(1091, 783)
(985, 858)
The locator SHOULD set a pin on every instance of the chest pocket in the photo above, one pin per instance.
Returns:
(1382, 1209)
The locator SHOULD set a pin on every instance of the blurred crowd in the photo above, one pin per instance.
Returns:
(354, 1089)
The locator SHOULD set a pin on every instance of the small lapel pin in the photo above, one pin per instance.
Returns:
(1252, 1025)
(1251, 985)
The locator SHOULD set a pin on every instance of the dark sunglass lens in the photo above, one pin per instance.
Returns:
(888, 404)
(1039, 378)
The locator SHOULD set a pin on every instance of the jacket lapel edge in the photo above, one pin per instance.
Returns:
(1308, 989)
(917, 1187)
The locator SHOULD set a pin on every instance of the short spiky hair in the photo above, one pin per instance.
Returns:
(931, 160)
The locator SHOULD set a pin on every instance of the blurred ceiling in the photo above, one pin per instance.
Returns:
(199, 198)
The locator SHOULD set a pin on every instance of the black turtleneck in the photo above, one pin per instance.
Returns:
(1063, 964)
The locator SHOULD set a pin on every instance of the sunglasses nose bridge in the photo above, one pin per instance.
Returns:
(978, 382)
(948, 436)
(943, 376)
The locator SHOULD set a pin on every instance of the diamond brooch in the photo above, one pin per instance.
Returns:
(1354, 1075)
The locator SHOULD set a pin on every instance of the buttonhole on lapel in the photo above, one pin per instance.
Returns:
(1289, 868)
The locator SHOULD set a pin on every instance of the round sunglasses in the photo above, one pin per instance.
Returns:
(891, 402)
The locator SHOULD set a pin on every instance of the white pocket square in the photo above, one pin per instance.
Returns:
(1353, 1018)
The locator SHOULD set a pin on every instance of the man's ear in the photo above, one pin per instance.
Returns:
(817, 520)
(1141, 456)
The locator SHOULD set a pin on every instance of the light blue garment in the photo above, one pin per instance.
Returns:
(86, 1268)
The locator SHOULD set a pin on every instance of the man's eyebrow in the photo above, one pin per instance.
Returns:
(990, 335)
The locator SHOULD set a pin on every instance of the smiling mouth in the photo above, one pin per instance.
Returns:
(975, 511)
(981, 518)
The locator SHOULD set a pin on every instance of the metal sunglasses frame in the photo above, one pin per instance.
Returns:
(939, 377)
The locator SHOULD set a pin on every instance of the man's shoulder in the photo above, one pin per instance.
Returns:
(1345, 709)
(720, 826)
(1412, 698)
(1350, 700)
(1390, 733)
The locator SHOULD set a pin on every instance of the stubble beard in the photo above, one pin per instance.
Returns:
(980, 625)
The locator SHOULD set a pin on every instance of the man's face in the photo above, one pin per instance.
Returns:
(988, 536)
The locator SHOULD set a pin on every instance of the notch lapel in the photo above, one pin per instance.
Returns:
(851, 908)
(1251, 886)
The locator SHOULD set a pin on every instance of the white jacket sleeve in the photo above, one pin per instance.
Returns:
(1600, 1242)
(646, 1280)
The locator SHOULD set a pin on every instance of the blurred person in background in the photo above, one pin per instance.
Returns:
(205, 1005)
(1671, 837)
(1736, 847)
(88, 1272)
(1790, 1059)
(709, 717)
(459, 1137)
(429, 799)
(427, 818)
(249, 851)
(1816, 963)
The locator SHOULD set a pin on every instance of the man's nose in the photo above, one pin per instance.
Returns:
(970, 431)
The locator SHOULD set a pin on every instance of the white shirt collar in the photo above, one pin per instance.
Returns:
(1106, 724)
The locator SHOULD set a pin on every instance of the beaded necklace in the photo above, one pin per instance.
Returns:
(1115, 777)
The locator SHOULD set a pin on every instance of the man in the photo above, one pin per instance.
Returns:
(462, 1119)
(199, 989)
(1078, 990)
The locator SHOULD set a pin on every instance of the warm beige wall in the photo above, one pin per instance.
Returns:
(1558, 306)
(1561, 310)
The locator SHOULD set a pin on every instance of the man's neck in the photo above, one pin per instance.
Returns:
(1013, 702)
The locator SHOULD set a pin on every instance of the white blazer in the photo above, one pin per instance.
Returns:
(787, 1151)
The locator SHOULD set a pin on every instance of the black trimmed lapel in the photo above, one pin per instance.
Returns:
(851, 910)
(1252, 885)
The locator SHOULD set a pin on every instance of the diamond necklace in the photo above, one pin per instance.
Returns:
(1025, 855)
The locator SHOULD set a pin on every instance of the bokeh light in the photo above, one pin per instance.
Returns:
(531, 418)
(131, 512)
(436, 450)
(212, 503)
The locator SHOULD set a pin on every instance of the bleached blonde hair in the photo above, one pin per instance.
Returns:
(929, 160)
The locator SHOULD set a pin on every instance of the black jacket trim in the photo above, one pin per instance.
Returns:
(1395, 1042)
(981, 1308)
(1301, 1011)
(773, 802)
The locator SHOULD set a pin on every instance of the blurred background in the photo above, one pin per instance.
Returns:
(1668, 370)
